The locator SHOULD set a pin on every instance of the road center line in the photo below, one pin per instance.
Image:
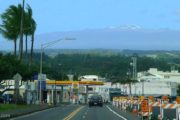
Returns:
(71, 115)
(116, 113)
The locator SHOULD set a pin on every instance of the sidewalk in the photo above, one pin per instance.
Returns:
(23, 111)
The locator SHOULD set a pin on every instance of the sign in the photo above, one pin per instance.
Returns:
(17, 77)
(178, 100)
(42, 77)
(43, 85)
(42, 81)
(150, 98)
(144, 106)
(165, 98)
(141, 98)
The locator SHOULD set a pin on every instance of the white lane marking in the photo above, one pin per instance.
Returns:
(116, 113)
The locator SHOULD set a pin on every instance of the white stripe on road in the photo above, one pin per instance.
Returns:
(116, 113)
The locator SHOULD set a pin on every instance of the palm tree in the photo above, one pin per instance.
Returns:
(30, 28)
(32, 37)
(21, 31)
(11, 24)
(27, 25)
(11, 36)
(26, 31)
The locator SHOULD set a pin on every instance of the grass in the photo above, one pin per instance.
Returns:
(5, 107)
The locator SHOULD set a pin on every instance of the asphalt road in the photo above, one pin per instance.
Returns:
(78, 112)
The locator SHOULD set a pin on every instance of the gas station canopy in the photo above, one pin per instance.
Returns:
(56, 82)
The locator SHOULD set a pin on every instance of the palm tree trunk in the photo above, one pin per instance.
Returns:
(32, 47)
(21, 48)
(15, 46)
(26, 44)
(21, 32)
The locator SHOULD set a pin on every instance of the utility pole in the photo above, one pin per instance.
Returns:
(134, 64)
(134, 72)
(43, 46)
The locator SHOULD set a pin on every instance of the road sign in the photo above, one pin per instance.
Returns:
(141, 98)
(151, 98)
(42, 77)
(144, 106)
(43, 85)
(17, 77)
(178, 100)
(165, 98)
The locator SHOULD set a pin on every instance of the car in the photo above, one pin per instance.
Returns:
(95, 100)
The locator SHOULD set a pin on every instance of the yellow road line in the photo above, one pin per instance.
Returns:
(73, 113)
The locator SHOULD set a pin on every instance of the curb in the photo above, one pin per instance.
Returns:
(7, 116)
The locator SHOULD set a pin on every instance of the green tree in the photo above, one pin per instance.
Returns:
(29, 28)
(11, 24)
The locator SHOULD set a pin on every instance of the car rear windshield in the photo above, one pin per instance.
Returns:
(96, 97)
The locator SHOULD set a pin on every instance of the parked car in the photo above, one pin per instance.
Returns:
(95, 100)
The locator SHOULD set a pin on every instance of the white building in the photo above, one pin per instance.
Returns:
(154, 82)
(89, 78)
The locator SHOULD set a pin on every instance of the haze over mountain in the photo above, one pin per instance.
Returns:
(123, 37)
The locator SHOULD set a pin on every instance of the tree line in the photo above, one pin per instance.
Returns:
(113, 67)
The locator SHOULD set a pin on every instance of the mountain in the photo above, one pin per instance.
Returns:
(130, 37)
(123, 37)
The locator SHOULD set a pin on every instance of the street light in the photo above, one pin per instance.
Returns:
(43, 46)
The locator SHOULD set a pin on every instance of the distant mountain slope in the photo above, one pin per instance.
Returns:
(116, 38)
(124, 37)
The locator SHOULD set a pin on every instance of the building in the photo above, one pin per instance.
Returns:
(155, 82)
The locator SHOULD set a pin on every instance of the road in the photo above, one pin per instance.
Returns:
(79, 112)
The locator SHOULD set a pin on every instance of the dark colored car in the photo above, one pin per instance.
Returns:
(95, 100)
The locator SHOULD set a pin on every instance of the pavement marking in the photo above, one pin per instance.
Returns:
(73, 113)
(116, 113)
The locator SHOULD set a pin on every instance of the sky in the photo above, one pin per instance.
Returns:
(73, 15)
(70, 15)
